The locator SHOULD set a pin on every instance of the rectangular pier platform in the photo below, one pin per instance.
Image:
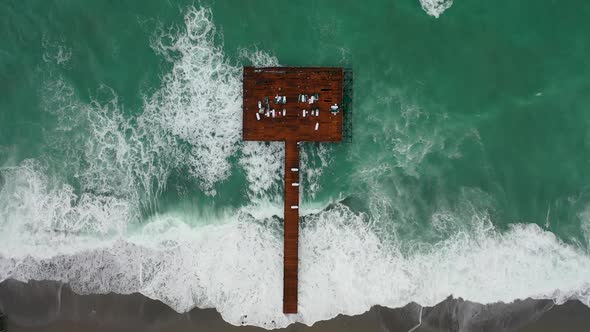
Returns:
(292, 104)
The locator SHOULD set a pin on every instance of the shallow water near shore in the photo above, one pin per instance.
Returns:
(122, 168)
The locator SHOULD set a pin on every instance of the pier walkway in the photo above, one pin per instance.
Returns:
(293, 105)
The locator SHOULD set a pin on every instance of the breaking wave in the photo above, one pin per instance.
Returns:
(345, 265)
(435, 7)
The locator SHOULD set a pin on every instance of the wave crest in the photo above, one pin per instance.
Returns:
(345, 267)
(435, 7)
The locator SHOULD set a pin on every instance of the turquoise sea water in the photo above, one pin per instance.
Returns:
(122, 166)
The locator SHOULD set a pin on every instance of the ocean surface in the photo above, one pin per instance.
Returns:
(122, 167)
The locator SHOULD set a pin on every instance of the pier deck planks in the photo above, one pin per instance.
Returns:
(292, 128)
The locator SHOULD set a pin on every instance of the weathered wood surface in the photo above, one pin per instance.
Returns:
(292, 128)
(290, 82)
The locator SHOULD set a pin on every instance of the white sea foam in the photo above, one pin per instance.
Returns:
(263, 164)
(105, 151)
(435, 7)
(199, 101)
(43, 216)
(193, 121)
(258, 58)
(56, 51)
(411, 136)
(345, 266)
(314, 160)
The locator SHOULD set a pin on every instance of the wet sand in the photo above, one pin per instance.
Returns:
(51, 307)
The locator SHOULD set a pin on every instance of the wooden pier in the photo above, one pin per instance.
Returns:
(292, 104)
(291, 252)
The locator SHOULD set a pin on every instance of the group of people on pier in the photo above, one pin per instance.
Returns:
(265, 109)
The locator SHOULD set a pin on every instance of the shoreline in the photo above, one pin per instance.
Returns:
(53, 306)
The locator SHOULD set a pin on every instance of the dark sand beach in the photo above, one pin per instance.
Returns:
(50, 307)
